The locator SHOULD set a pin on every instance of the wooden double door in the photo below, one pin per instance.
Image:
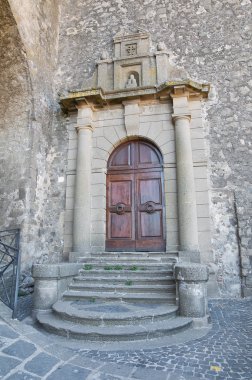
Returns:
(135, 199)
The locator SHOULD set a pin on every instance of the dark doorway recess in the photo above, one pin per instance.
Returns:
(135, 198)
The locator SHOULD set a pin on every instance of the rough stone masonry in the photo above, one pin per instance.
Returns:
(48, 48)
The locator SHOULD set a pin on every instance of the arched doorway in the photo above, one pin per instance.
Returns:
(135, 198)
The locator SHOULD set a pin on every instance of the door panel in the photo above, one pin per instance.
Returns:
(147, 155)
(149, 209)
(120, 192)
(151, 224)
(121, 226)
(123, 157)
(150, 190)
(135, 201)
(120, 212)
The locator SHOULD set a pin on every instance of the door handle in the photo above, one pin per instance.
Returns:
(120, 208)
(150, 207)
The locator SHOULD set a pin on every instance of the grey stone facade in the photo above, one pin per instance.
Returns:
(52, 49)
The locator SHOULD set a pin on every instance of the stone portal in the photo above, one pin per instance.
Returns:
(137, 96)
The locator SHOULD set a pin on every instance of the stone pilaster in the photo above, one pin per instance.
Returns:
(82, 204)
(187, 212)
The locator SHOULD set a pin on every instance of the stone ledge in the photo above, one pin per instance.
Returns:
(55, 270)
(190, 272)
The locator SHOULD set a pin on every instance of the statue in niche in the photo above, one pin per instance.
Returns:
(104, 55)
(131, 82)
(161, 46)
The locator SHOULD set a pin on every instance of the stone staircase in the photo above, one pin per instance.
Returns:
(119, 297)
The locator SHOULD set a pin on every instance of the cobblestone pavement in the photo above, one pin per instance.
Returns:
(224, 353)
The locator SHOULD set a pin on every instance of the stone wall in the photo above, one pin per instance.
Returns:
(32, 141)
(15, 124)
(211, 40)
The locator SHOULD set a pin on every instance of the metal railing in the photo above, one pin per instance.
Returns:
(9, 268)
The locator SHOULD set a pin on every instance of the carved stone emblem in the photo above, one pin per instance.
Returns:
(131, 49)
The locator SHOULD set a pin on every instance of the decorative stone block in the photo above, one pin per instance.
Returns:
(131, 115)
(51, 280)
(192, 290)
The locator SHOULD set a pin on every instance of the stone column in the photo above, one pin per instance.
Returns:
(82, 203)
(187, 212)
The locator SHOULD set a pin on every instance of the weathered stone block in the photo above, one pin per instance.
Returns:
(199, 155)
(171, 186)
(203, 211)
(50, 282)
(203, 224)
(201, 184)
(192, 279)
(202, 197)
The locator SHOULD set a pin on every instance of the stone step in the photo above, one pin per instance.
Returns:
(131, 256)
(128, 261)
(129, 266)
(125, 288)
(125, 297)
(129, 273)
(116, 280)
(54, 324)
(111, 314)
(173, 256)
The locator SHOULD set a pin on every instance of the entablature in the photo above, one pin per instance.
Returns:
(98, 98)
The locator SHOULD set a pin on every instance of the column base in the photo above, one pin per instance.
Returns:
(75, 257)
(189, 256)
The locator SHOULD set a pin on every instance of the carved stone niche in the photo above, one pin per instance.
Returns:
(133, 61)
(133, 64)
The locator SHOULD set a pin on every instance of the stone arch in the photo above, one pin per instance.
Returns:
(110, 146)
(132, 138)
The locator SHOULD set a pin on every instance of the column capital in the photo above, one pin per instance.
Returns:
(180, 91)
(180, 101)
(176, 117)
(84, 118)
(89, 127)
